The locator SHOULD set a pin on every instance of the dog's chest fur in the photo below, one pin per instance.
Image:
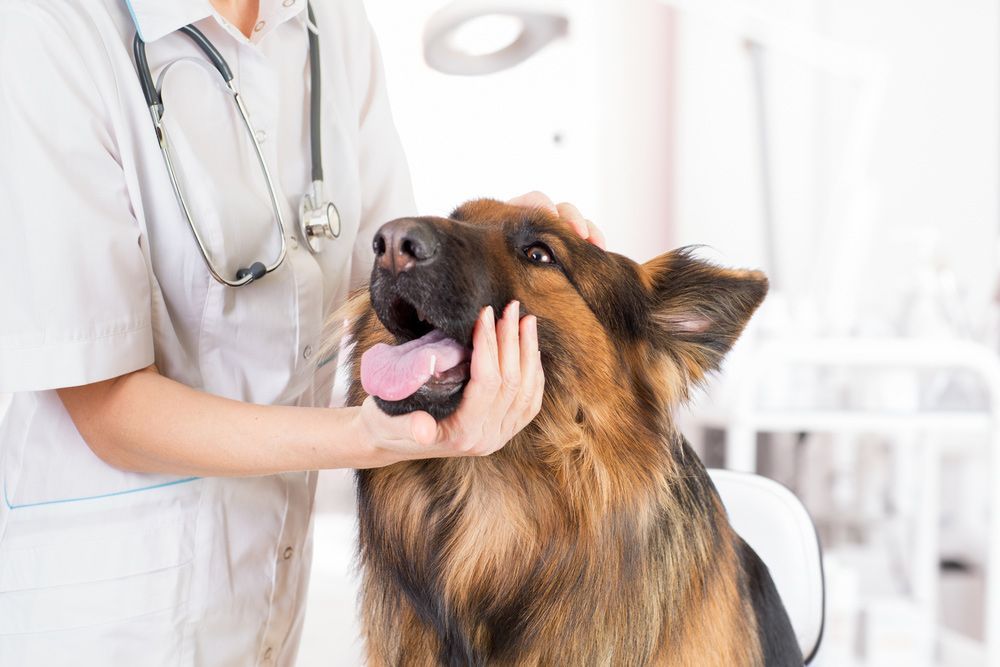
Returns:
(521, 559)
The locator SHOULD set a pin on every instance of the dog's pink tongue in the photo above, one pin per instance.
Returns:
(394, 372)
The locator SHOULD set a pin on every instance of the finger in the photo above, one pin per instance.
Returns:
(571, 214)
(510, 353)
(596, 236)
(465, 426)
(504, 416)
(412, 435)
(539, 395)
(531, 369)
(534, 199)
(484, 366)
(423, 429)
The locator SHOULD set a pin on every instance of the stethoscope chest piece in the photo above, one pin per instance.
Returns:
(318, 218)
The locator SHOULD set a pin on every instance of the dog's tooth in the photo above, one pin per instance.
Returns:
(434, 360)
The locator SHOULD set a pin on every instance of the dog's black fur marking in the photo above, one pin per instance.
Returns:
(777, 639)
(489, 629)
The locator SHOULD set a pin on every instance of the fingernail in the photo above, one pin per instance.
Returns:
(488, 317)
(514, 309)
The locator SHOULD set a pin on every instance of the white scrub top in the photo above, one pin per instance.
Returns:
(102, 276)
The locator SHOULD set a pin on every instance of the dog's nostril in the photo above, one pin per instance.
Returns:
(405, 243)
(417, 243)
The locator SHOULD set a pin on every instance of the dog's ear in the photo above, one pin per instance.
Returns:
(699, 309)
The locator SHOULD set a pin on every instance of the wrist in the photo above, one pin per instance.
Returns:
(366, 443)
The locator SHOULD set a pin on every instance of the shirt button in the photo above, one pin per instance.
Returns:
(288, 553)
(288, 3)
(293, 242)
(260, 26)
(268, 653)
(307, 352)
(261, 136)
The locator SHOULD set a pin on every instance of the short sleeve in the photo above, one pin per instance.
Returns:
(386, 188)
(75, 296)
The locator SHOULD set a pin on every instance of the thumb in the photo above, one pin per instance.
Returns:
(423, 428)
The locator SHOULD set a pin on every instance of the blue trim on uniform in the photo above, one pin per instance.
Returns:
(102, 495)
(135, 21)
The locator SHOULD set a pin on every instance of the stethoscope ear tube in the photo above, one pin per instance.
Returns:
(149, 90)
(209, 50)
(145, 76)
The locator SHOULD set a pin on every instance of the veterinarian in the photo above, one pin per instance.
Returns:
(156, 461)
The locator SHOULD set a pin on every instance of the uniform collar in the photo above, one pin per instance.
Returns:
(154, 19)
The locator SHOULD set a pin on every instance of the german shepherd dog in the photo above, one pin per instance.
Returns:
(595, 537)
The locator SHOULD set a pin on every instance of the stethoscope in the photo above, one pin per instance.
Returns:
(318, 217)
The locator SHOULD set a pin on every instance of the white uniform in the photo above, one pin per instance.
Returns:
(102, 277)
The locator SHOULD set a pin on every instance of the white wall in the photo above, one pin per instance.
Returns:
(659, 146)
(933, 165)
(603, 91)
(662, 150)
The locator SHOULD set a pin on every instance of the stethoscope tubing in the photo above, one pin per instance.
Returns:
(149, 90)
(154, 101)
(315, 99)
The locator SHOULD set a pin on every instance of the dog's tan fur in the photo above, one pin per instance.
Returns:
(599, 488)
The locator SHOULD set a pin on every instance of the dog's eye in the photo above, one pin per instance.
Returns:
(539, 253)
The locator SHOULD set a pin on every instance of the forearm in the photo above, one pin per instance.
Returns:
(146, 422)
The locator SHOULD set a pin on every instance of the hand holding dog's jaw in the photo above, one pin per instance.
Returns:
(503, 395)
(416, 333)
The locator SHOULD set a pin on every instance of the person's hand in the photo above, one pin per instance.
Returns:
(503, 395)
(566, 212)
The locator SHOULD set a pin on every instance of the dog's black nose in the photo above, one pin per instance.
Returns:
(402, 244)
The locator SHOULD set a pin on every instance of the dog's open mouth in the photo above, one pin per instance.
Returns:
(427, 365)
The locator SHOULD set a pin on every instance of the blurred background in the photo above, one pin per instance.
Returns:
(850, 148)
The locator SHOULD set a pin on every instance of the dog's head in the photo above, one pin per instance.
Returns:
(607, 325)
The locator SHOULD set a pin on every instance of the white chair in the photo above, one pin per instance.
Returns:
(777, 526)
(742, 417)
